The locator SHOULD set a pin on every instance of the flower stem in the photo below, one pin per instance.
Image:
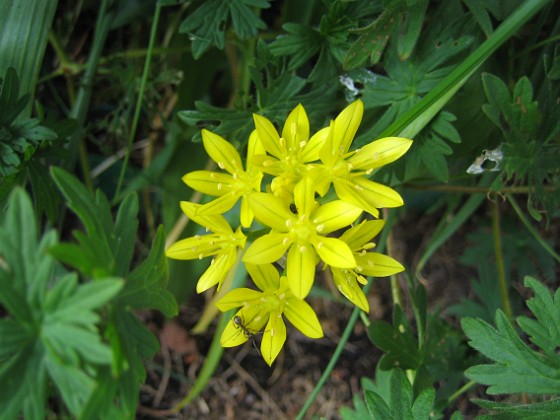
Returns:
(497, 233)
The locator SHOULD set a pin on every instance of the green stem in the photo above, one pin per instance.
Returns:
(139, 100)
(502, 282)
(460, 391)
(79, 109)
(531, 229)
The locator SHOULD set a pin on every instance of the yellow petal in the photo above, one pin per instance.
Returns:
(378, 195)
(273, 338)
(268, 136)
(207, 182)
(335, 215)
(238, 297)
(267, 249)
(346, 125)
(328, 153)
(303, 317)
(222, 152)
(267, 164)
(254, 147)
(296, 129)
(265, 276)
(300, 269)
(217, 272)
(304, 196)
(377, 265)
(251, 319)
(270, 210)
(380, 152)
(246, 215)
(347, 284)
(218, 206)
(314, 145)
(335, 252)
(361, 234)
(214, 222)
(194, 247)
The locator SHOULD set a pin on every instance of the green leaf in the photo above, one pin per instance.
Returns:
(397, 341)
(399, 402)
(301, 43)
(372, 41)
(146, 286)
(207, 25)
(11, 104)
(544, 332)
(24, 39)
(480, 10)
(126, 226)
(517, 367)
(544, 410)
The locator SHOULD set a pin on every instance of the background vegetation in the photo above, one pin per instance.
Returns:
(101, 106)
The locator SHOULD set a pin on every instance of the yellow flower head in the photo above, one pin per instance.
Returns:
(266, 307)
(288, 156)
(230, 186)
(222, 244)
(303, 234)
(348, 171)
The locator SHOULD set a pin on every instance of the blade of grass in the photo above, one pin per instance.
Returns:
(419, 115)
(25, 25)
(530, 228)
(80, 107)
(140, 98)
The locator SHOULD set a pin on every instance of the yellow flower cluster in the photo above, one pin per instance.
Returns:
(297, 170)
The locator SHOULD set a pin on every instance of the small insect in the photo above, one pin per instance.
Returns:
(238, 321)
(293, 208)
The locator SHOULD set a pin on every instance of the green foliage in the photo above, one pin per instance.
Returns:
(531, 149)
(19, 138)
(517, 367)
(206, 25)
(392, 397)
(53, 332)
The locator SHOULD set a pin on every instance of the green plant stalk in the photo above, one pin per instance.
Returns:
(139, 100)
(347, 331)
(502, 282)
(420, 115)
(83, 98)
(216, 350)
(530, 228)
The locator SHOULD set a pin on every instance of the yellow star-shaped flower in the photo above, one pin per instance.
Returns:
(266, 307)
(303, 235)
(222, 244)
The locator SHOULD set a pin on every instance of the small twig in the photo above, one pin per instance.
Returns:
(255, 385)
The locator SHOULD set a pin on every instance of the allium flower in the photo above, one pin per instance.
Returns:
(368, 263)
(348, 171)
(266, 307)
(229, 187)
(223, 244)
(289, 154)
(302, 235)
